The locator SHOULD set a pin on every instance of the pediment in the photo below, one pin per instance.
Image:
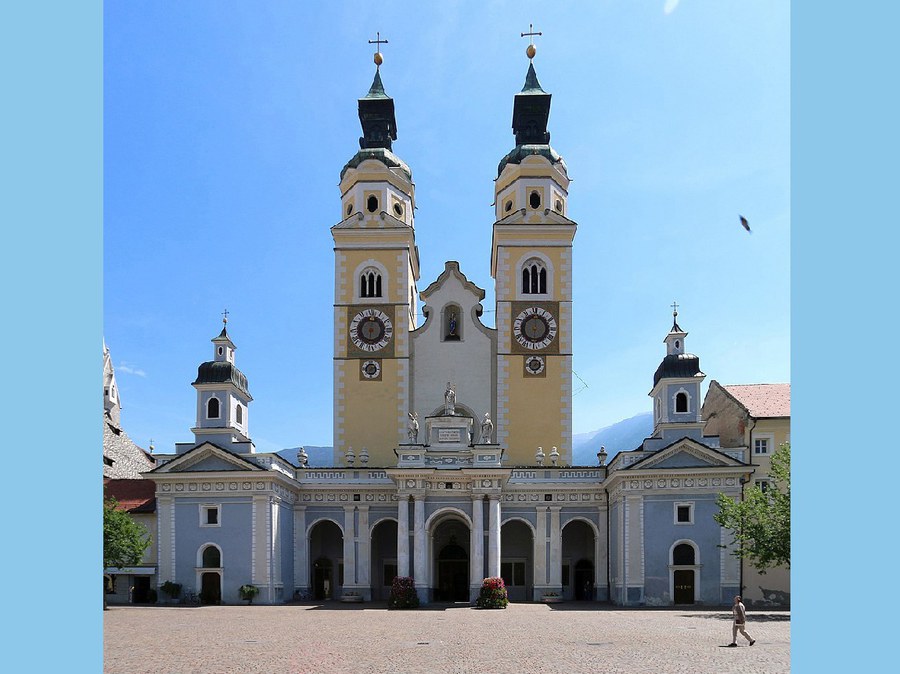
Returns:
(207, 458)
(686, 453)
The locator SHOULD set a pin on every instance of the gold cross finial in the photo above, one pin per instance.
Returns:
(225, 316)
(675, 309)
(379, 59)
(531, 50)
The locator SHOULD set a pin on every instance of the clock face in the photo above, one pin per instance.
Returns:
(371, 369)
(534, 365)
(534, 328)
(371, 330)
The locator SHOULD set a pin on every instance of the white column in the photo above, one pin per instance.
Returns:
(494, 535)
(301, 549)
(403, 536)
(555, 547)
(476, 542)
(540, 550)
(419, 542)
(349, 548)
(364, 547)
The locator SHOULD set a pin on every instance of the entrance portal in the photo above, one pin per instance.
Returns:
(210, 588)
(684, 586)
(584, 580)
(452, 573)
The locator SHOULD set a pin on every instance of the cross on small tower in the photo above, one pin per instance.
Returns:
(225, 316)
(379, 59)
(674, 309)
(531, 49)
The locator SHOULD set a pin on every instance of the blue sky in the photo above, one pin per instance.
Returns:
(226, 126)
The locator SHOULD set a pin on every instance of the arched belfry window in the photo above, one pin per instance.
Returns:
(212, 408)
(239, 414)
(534, 278)
(681, 402)
(370, 283)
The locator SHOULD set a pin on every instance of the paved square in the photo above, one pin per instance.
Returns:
(332, 637)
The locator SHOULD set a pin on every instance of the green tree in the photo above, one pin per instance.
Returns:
(124, 540)
(761, 522)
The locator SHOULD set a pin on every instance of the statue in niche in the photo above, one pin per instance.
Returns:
(487, 429)
(452, 326)
(449, 401)
(412, 428)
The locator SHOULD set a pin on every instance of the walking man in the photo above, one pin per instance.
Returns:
(740, 618)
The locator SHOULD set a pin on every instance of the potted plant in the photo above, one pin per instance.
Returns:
(403, 593)
(173, 590)
(493, 594)
(248, 591)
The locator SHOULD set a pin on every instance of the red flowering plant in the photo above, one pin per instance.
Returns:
(403, 593)
(493, 594)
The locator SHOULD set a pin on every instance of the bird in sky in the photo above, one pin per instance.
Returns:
(744, 223)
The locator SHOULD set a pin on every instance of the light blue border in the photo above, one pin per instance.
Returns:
(844, 306)
(51, 215)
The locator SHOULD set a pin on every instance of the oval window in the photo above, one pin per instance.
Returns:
(372, 204)
(535, 200)
(349, 209)
(398, 210)
(559, 206)
(508, 206)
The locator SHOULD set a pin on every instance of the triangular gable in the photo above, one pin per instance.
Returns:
(206, 457)
(685, 453)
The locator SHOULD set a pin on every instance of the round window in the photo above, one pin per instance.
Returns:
(559, 206)
(398, 210)
(508, 206)
(349, 209)
(372, 204)
(535, 199)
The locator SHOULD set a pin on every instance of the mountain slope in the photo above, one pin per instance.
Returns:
(621, 436)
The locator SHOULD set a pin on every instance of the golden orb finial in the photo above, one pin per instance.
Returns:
(530, 51)
(379, 59)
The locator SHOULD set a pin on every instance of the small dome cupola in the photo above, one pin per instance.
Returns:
(677, 364)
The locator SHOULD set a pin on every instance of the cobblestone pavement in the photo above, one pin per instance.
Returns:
(566, 639)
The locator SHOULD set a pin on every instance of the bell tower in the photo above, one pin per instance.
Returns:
(376, 267)
(531, 263)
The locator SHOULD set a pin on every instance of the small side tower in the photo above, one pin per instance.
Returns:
(676, 389)
(223, 400)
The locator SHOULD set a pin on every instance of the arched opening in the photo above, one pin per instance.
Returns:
(212, 408)
(384, 559)
(578, 560)
(534, 278)
(370, 283)
(326, 549)
(584, 580)
(239, 414)
(534, 199)
(450, 547)
(681, 402)
(517, 559)
(684, 574)
(210, 573)
(372, 203)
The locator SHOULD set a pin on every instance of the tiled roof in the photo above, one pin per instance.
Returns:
(134, 496)
(763, 400)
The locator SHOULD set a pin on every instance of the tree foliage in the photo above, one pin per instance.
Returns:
(124, 540)
(761, 521)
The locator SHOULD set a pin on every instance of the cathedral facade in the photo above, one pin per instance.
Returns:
(449, 465)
